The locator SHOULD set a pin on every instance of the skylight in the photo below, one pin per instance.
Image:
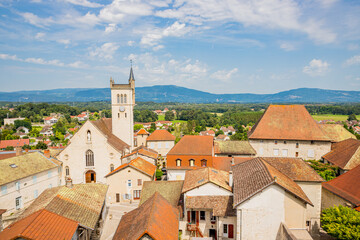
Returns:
(13, 165)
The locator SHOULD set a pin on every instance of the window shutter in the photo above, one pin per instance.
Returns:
(197, 218)
(188, 216)
(231, 231)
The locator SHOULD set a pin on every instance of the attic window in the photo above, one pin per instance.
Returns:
(13, 165)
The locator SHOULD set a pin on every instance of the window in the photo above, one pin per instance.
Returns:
(225, 229)
(297, 145)
(212, 218)
(118, 98)
(18, 203)
(36, 194)
(311, 153)
(50, 185)
(191, 162)
(312, 142)
(125, 98)
(307, 223)
(118, 115)
(203, 163)
(178, 162)
(202, 215)
(88, 136)
(3, 190)
(127, 196)
(284, 152)
(125, 115)
(275, 141)
(49, 174)
(139, 182)
(34, 179)
(137, 194)
(284, 142)
(111, 167)
(261, 141)
(122, 98)
(296, 154)
(276, 152)
(17, 186)
(129, 183)
(67, 171)
(89, 158)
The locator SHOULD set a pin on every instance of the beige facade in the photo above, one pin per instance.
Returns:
(105, 156)
(126, 185)
(141, 140)
(330, 199)
(291, 148)
(162, 147)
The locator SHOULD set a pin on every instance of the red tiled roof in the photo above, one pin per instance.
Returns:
(142, 132)
(6, 155)
(41, 225)
(155, 217)
(138, 164)
(161, 135)
(290, 122)
(345, 154)
(14, 143)
(346, 186)
(224, 163)
(143, 151)
(48, 118)
(105, 126)
(193, 145)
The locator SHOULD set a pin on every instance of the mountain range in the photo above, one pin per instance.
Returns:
(171, 93)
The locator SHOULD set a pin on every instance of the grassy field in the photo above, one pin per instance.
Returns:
(37, 128)
(161, 117)
(331, 116)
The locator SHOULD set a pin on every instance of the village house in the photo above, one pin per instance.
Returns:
(266, 200)
(289, 131)
(24, 177)
(161, 141)
(47, 131)
(207, 133)
(9, 121)
(145, 153)
(155, 219)
(13, 143)
(228, 130)
(140, 137)
(49, 121)
(343, 190)
(98, 146)
(222, 137)
(22, 129)
(345, 155)
(125, 182)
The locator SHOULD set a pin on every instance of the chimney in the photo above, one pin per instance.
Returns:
(232, 160)
(68, 182)
(231, 180)
(18, 150)
(47, 153)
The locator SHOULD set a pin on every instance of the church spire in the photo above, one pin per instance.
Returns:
(131, 77)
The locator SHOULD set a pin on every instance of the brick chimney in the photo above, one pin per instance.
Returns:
(68, 182)
(18, 150)
(47, 153)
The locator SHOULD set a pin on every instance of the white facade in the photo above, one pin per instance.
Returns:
(176, 174)
(208, 189)
(162, 147)
(8, 121)
(291, 148)
(19, 194)
(73, 156)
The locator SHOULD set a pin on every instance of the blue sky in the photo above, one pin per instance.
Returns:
(229, 46)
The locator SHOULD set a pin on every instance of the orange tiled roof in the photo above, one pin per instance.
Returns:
(290, 122)
(161, 135)
(142, 132)
(41, 225)
(198, 177)
(345, 154)
(153, 217)
(224, 163)
(138, 164)
(346, 186)
(14, 143)
(143, 151)
(193, 145)
(48, 118)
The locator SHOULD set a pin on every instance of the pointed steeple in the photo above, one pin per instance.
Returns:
(131, 77)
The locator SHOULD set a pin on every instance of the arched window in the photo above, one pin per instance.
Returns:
(122, 98)
(191, 162)
(125, 98)
(88, 136)
(118, 98)
(111, 167)
(178, 162)
(89, 158)
(67, 171)
(204, 163)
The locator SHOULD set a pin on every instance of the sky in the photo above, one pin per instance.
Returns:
(229, 46)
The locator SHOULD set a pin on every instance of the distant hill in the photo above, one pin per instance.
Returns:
(171, 93)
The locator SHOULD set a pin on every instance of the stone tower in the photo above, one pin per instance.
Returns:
(122, 105)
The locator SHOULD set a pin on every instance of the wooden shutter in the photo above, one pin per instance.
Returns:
(231, 231)
(197, 218)
(188, 216)
(88, 177)
(117, 197)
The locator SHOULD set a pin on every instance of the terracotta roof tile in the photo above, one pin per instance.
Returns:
(170, 190)
(138, 164)
(152, 218)
(198, 177)
(161, 135)
(14, 143)
(345, 154)
(346, 186)
(143, 151)
(234, 148)
(225, 163)
(253, 176)
(336, 132)
(82, 203)
(221, 205)
(289, 122)
(41, 225)
(105, 126)
(193, 145)
(142, 132)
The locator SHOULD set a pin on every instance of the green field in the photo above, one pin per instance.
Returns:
(161, 117)
(37, 128)
(331, 116)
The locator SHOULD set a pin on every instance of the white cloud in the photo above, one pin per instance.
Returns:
(288, 46)
(316, 67)
(40, 36)
(355, 60)
(223, 75)
(37, 21)
(111, 28)
(85, 3)
(78, 64)
(130, 43)
(8, 57)
(158, 47)
(353, 47)
(64, 41)
(54, 62)
(106, 51)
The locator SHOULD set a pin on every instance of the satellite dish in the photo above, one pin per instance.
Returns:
(122, 109)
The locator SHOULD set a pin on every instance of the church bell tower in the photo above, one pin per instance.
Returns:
(122, 106)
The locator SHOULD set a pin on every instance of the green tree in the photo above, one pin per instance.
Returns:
(41, 145)
(341, 222)
(169, 116)
(9, 148)
(352, 117)
(219, 132)
(152, 128)
(137, 127)
(158, 174)
(23, 123)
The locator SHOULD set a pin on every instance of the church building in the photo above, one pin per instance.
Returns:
(97, 148)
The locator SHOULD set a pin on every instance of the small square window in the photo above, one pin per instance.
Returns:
(202, 215)
(275, 141)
